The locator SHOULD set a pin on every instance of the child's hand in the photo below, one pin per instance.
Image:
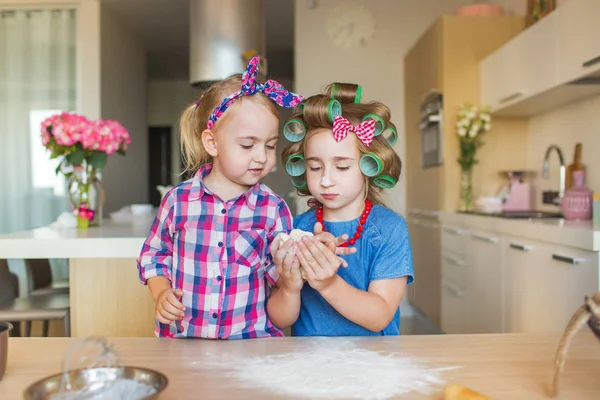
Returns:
(168, 306)
(332, 242)
(319, 262)
(287, 265)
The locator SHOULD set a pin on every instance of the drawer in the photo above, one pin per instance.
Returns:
(454, 240)
(453, 308)
(454, 268)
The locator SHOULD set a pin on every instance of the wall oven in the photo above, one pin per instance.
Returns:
(431, 127)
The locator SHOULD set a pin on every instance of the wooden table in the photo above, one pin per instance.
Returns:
(507, 366)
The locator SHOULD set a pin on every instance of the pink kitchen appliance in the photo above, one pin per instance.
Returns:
(517, 195)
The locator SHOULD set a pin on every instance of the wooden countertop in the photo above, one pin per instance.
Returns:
(507, 366)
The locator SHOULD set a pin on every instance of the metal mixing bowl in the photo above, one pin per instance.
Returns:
(47, 388)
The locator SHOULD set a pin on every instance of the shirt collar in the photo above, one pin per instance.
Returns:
(198, 189)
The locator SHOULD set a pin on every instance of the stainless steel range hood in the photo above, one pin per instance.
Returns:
(220, 31)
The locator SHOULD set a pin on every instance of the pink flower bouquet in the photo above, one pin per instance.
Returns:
(84, 147)
(80, 140)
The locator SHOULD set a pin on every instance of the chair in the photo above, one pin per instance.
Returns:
(43, 307)
(40, 280)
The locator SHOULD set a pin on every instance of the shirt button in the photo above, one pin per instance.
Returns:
(223, 211)
(215, 315)
(219, 278)
(220, 244)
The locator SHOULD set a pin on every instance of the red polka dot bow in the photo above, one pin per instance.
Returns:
(365, 131)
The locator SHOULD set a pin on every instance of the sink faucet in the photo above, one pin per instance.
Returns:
(562, 171)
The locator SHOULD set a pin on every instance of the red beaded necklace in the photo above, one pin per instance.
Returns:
(359, 228)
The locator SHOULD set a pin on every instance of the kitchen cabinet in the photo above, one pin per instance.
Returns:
(524, 283)
(425, 241)
(496, 282)
(524, 67)
(579, 51)
(485, 283)
(472, 284)
(454, 304)
(551, 63)
(545, 284)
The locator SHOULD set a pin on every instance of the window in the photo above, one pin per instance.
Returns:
(43, 169)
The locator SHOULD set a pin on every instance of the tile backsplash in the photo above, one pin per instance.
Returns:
(564, 127)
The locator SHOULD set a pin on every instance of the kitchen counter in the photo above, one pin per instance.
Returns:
(579, 234)
(104, 286)
(500, 366)
(108, 240)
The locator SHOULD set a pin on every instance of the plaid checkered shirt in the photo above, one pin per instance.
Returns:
(217, 253)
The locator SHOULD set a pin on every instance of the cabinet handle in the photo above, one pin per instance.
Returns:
(454, 261)
(433, 214)
(452, 290)
(430, 225)
(458, 232)
(486, 239)
(512, 96)
(519, 247)
(569, 260)
(591, 62)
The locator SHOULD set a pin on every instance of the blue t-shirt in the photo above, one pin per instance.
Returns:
(383, 252)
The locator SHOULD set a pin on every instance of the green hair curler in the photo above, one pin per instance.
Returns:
(391, 135)
(299, 182)
(301, 106)
(334, 109)
(295, 165)
(370, 164)
(333, 90)
(384, 181)
(358, 95)
(379, 123)
(294, 130)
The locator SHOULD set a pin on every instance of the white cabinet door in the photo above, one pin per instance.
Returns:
(485, 283)
(524, 67)
(524, 281)
(502, 78)
(545, 284)
(453, 308)
(538, 56)
(578, 43)
(569, 274)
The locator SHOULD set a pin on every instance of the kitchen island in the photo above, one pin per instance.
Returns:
(106, 296)
(500, 366)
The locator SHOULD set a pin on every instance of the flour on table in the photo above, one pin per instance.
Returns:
(119, 389)
(332, 370)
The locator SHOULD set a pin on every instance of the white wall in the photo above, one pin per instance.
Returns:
(123, 98)
(379, 66)
(88, 59)
(166, 102)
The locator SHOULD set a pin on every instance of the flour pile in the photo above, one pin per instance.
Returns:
(119, 389)
(333, 370)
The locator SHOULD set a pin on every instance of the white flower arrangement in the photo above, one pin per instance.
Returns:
(472, 121)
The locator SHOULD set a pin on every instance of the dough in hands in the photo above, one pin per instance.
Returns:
(295, 235)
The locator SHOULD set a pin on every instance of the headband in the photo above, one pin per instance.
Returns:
(272, 89)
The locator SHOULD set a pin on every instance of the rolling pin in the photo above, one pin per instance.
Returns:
(455, 392)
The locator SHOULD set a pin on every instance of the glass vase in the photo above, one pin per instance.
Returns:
(86, 195)
(466, 191)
